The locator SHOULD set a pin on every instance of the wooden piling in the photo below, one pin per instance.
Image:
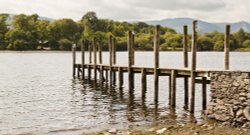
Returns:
(173, 88)
(185, 63)
(130, 74)
(107, 75)
(100, 53)
(78, 71)
(133, 49)
(143, 83)
(83, 59)
(74, 59)
(95, 59)
(120, 74)
(185, 46)
(90, 61)
(170, 91)
(156, 62)
(204, 93)
(226, 47)
(101, 76)
(110, 59)
(114, 58)
(193, 67)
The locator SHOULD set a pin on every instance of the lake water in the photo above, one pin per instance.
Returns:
(39, 96)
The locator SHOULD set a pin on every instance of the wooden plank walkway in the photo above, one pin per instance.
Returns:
(108, 72)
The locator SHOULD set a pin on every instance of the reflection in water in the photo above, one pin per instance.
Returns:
(136, 110)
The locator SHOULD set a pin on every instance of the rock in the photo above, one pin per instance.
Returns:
(220, 102)
(245, 75)
(161, 131)
(246, 112)
(112, 131)
(151, 129)
(242, 98)
(226, 123)
(248, 95)
(236, 84)
(246, 125)
(239, 113)
(242, 94)
(209, 109)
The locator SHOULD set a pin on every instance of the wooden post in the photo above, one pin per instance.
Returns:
(83, 59)
(156, 62)
(78, 71)
(74, 59)
(107, 75)
(130, 59)
(226, 47)
(143, 83)
(120, 74)
(95, 59)
(185, 63)
(114, 58)
(204, 93)
(90, 61)
(110, 59)
(185, 46)
(193, 67)
(100, 53)
(173, 88)
(101, 76)
(170, 91)
(133, 49)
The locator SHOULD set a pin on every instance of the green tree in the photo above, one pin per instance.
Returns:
(246, 43)
(240, 37)
(43, 32)
(205, 43)
(64, 29)
(3, 30)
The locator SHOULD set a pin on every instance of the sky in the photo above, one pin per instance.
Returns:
(133, 10)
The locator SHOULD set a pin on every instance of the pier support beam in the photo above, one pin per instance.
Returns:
(193, 67)
(173, 88)
(74, 59)
(114, 58)
(204, 93)
(156, 62)
(83, 59)
(143, 83)
(90, 62)
(170, 91)
(226, 47)
(120, 74)
(185, 63)
(110, 60)
(130, 60)
(95, 59)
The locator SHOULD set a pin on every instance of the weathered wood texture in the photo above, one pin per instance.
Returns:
(226, 47)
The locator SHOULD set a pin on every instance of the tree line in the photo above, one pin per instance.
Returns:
(28, 32)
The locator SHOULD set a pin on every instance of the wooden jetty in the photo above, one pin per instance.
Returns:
(196, 75)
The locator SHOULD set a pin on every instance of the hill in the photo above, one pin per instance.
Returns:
(203, 26)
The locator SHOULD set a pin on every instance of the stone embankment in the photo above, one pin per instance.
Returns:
(230, 98)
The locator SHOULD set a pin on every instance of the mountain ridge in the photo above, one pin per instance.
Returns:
(203, 26)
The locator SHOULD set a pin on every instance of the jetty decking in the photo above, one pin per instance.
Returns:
(107, 73)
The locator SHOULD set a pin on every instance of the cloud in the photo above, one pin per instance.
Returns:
(198, 5)
(129, 10)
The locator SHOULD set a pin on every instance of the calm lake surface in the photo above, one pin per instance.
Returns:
(39, 96)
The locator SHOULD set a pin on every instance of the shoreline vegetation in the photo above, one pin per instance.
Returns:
(29, 32)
